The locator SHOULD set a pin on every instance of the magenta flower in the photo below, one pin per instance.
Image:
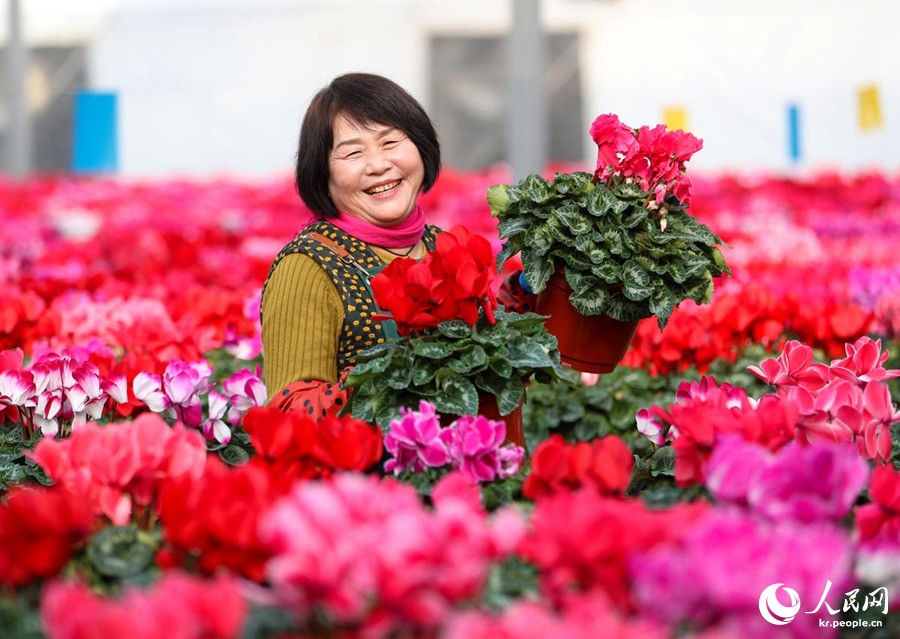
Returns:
(818, 482)
(476, 449)
(183, 384)
(177, 605)
(417, 441)
(368, 554)
(729, 558)
(244, 390)
(585, 616)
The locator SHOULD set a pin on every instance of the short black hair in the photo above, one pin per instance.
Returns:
(364, 98)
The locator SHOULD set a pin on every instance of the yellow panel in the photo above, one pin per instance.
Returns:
(869, 108)
(675, 118)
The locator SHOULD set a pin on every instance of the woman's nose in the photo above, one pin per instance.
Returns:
(377, 162)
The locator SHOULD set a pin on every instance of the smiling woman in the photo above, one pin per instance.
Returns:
(367, 150)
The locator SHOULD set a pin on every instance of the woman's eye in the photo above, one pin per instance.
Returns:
(353, 154)
(391, 143)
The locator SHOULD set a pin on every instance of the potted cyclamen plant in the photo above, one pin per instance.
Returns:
(455, 348)
(606, 249)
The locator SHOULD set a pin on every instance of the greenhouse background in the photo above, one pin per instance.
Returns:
(213, 86)
(695, 435)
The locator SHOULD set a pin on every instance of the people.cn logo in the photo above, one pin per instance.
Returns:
(773, 610)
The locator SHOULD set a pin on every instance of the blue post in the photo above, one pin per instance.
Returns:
(95, 147)
(794, 132)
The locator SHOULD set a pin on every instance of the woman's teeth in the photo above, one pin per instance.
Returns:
(384, 187)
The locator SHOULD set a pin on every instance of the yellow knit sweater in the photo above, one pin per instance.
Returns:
(304, 315)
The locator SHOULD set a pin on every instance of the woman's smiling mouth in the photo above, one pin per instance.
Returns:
(383, 188)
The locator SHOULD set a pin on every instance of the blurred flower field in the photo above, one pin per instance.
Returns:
(145, 491)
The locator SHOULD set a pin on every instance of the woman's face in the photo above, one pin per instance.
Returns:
(376, 172)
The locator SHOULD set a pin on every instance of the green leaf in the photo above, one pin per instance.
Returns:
(533, 188)
(629, 191)
(636, 280)
(574, 259)
(634, 215)
(469, 361)
(574, 183)
(694, 264)
(601, 201)
(507, 251)
(513, 226)
(537, 271)
(400, 375)
(570, 215)
(234, 455)
(596, 254)
(580, 281)
(424, 371)
(592, 301)
(719, 261)
(615, 240)
(458, 396)
(377, 365)
(538, 240)
(663, 462)
(455, 329)
(608, 271)
(527, 354)
(387, 409)
(560, 232)
(509, 394)
(498, 199)
(678, 272)
(431, 349)
(662, 304)
(372, 351)
(502, 367)
(120, 551)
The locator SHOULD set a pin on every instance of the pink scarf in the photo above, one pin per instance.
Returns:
(400, 235)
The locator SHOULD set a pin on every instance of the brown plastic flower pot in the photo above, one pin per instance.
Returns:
(487, 407)
(587, 343)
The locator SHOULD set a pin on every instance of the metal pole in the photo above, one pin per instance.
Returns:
(19, 162)
(527, 131)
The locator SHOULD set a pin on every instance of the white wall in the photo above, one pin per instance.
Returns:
(219, 86)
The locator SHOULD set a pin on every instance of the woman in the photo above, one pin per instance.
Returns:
(367, 150)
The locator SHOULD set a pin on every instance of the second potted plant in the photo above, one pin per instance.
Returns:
(606, 249)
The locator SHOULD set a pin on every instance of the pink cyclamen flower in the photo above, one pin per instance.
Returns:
(122, 463)
(147, 387)
(214, 427)
(729, 557)
(865, 361)
(817, 482)
(392, 564)
(244, 390)
(183, 383)
(476, 448)
(793, 367)
(177, 606)
(67, 390)
(416, 441)
(877, 415)
(650, 427)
